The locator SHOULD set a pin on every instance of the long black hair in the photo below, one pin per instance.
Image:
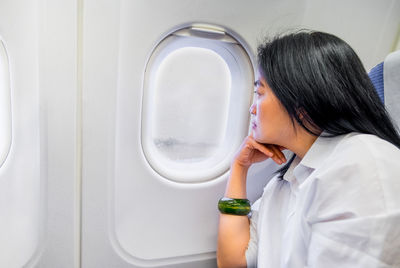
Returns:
(319, 77)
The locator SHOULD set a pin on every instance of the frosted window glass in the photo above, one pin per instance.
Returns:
(192, 89)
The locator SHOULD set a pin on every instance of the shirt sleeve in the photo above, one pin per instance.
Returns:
(353, 210)
(252, 248)
(368, 242)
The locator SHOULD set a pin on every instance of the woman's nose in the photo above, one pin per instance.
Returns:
(252, 109)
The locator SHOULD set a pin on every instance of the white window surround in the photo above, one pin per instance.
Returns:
(240, 72)
(5, 104)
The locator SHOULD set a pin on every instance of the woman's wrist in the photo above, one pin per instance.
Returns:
(239, 167)
(236, 187)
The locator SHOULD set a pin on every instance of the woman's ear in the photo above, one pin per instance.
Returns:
(301, 113)
(307, 122)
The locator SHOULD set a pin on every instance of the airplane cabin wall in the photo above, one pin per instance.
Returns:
(371, 27)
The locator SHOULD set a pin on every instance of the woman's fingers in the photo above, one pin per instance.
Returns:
(278, 156)
(272, 151)
(263, 149)
(252, 151)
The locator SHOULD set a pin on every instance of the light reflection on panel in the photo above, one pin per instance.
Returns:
(5, 105)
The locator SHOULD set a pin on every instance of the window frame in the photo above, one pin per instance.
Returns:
(240, 65)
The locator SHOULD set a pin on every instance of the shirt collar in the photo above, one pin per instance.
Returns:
(319, 151)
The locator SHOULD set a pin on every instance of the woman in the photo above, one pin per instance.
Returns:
(336, 201)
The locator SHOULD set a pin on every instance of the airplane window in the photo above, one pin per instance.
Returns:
(5, 105)
(197, 91)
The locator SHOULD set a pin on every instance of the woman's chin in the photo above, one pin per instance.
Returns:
(258, 139)
(261, 139)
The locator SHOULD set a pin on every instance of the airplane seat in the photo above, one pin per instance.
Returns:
(376, 76)
(386, 79)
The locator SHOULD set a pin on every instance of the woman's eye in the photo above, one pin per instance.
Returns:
(257, 83)
(258, 93)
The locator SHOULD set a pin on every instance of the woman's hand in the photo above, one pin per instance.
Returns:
(251, 152)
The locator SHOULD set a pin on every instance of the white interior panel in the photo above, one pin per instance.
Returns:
(39, 226)
(21, 185)
(60, 98)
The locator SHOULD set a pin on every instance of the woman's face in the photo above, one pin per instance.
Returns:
(270, 121)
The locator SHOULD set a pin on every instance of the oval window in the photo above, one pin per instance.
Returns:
(5, 104)
(197, 91)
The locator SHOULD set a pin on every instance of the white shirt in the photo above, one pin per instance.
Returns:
(337, 207)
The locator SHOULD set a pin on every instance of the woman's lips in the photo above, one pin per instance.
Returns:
(253, 125)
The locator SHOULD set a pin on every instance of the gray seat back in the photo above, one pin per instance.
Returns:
(391, 77)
